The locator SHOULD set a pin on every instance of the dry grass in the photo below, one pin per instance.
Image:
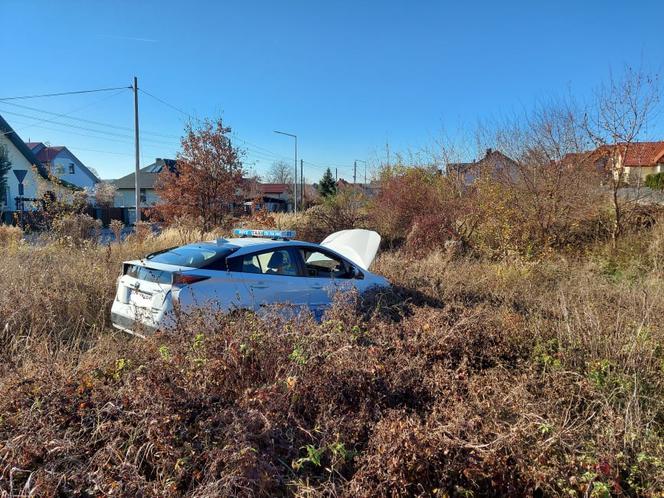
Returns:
(471, 378)
(10, 235)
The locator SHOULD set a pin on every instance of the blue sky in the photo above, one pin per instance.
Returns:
(346, 76)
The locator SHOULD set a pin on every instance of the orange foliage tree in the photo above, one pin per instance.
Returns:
(206, 181)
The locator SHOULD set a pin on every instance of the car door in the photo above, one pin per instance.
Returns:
(326, 274)
(271, 277)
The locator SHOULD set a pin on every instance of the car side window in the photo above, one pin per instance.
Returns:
(321, 264)
(276, 262)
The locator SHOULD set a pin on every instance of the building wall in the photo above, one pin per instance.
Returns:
(127, 198)
(637, 175)
(19, 162)
(60, 168)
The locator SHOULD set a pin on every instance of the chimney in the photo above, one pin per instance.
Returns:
(489, 151)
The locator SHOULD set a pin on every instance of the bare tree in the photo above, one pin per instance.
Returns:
(104, 194)
(619, 117)
(280, 172)
(541, 176)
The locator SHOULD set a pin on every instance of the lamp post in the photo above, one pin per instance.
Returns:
(294, 177)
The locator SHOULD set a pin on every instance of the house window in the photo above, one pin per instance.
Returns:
(59, 169)
(4, 197)
(71, 168)
(144, 196)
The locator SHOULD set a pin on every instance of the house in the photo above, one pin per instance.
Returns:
(371, 189)
(639, 159)
(636, 161)
(125, 196)
(494, 164)
(27, 180)
(62, 163)
(269, 196)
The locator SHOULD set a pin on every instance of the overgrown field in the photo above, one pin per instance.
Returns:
(472, 378)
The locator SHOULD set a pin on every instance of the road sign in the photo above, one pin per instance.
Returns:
(20, 174)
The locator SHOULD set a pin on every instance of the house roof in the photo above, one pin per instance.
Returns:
(25, 151)
(148, 175)
(13, 137)
(47, 153)
(492, 159)
(638, 154)
(644, 154)
(272, 188)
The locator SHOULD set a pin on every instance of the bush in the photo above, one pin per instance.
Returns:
(10, 235)
(345, 210)
(423, 209)
(116, 227)
(76, 229)
(470, 377)
(655, 181)
(142, 231)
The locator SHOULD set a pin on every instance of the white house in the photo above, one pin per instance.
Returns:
(125, 195)
(27, 179)
(62, 163)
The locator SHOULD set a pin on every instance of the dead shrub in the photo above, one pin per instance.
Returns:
(10, 235)
(116, 227)
(490, 378)
(423, 209)
(345, 210)
(142, 231)
(76, 229)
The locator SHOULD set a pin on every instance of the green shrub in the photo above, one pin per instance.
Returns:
(655, 181)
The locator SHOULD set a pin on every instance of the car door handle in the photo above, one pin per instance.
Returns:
(317, 286)
(258, 286)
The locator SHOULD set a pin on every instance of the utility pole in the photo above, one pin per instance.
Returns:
(365, 169)
(354, 172)
(336, 175)
(295, 177)
(138, 163)
(301, 184)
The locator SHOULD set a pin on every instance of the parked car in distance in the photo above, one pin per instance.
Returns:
(256, 269)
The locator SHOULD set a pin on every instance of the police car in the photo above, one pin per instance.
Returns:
(254, 270)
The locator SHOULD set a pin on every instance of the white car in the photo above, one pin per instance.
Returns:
(257, 269)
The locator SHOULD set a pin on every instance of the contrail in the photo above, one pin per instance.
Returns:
(132, 38)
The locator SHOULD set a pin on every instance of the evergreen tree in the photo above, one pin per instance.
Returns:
(327, 186)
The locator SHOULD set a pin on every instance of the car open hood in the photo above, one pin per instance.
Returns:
(360, 246)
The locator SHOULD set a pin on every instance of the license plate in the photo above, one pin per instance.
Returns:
(141, 299)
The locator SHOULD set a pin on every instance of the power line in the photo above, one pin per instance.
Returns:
(77, 92)
(259, 151)
(166, 103)
(265, 152)
(90, 121)
(124, 142)
(65, 114)
(92, 130)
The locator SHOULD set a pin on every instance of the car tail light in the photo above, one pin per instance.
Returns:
(181, 279)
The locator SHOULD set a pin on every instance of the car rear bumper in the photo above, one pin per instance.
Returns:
(131, 326)
(137, 321)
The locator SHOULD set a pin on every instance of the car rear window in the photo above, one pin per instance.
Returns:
(148, 274)
(192, 255)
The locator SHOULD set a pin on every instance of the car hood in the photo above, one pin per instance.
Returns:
(360, 246)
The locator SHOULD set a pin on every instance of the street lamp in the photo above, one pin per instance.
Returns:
(294, 177)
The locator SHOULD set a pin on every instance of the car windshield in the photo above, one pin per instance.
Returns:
(192, 255)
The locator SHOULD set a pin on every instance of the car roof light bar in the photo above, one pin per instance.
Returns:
(269, 234)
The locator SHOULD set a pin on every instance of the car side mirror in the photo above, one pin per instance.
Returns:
(357, 274)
